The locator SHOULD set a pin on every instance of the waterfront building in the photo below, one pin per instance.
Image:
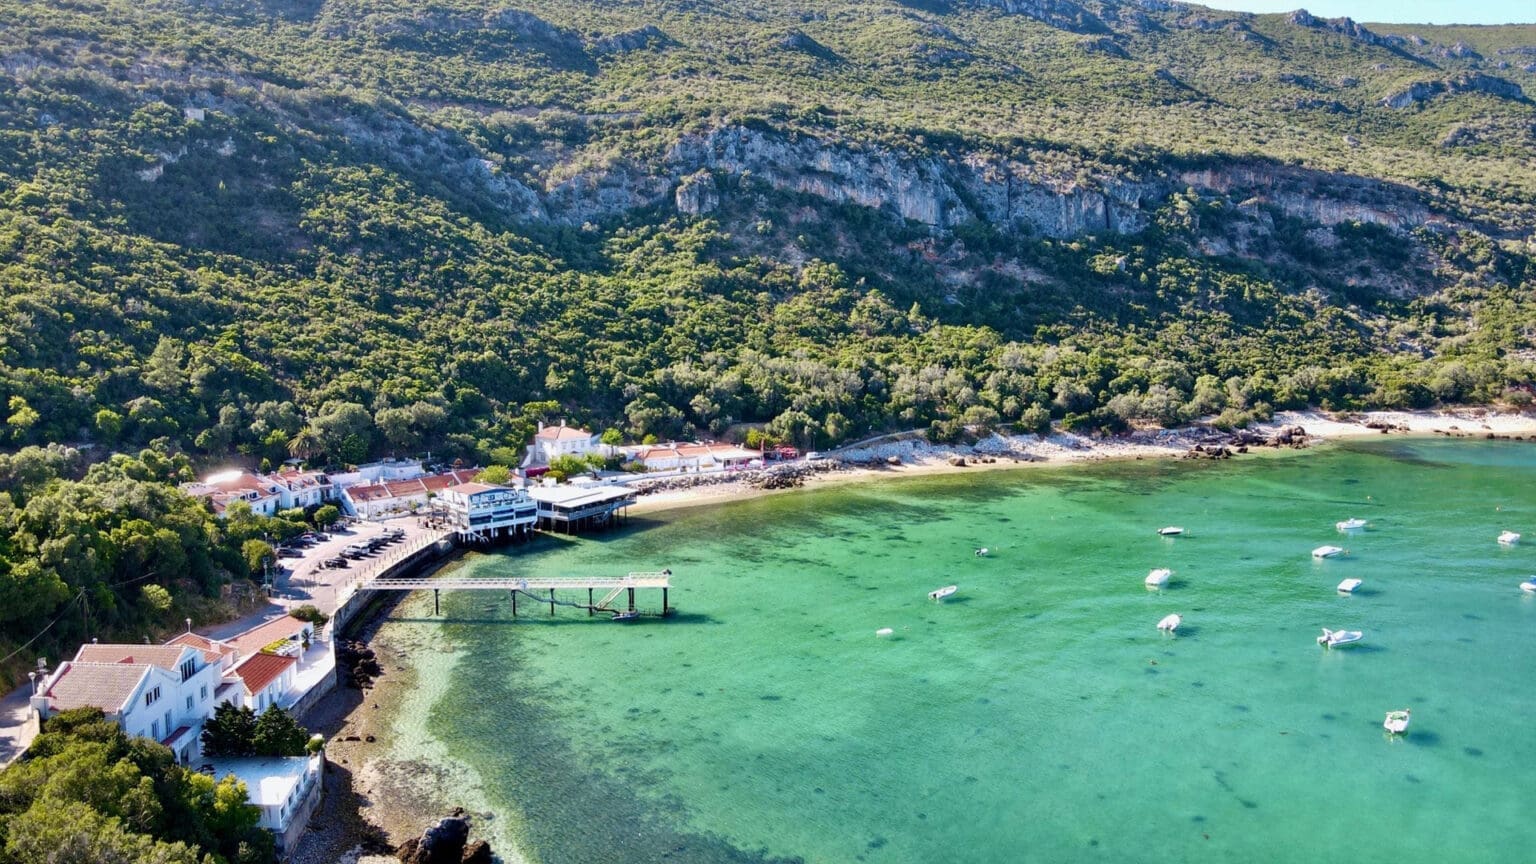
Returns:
(693, 457)
(575, 508)
(259, 681)
(383, 471)
(163, 692)
(286, 788)
(487, 511)
(303, 488)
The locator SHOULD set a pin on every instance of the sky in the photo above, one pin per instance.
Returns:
(1397, 11)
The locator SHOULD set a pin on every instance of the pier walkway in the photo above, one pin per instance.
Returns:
(614, 586)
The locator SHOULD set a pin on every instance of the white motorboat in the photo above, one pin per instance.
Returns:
(1348, 586)
(1529, 585)
(1327, 552)
(1170, 531)
(1397, 721)
(941, 593)
(1170, 623)
(1335, 638)
(983, 552)
(1351, 524)
(1159, 577)
(1509, 538)
(884, 631)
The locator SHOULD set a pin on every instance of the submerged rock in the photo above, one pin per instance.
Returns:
(442, 843)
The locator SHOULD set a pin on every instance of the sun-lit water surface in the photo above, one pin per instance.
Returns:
(1038, 715)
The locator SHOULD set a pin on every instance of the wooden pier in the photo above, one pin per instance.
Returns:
(612, 586)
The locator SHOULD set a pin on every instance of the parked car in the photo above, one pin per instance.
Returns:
(285, 552)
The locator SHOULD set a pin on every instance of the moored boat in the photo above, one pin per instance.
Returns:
(941, 593)
(1335, 638)
(1529, 585)
(1350, 524)
(1327, 552)
(1170, 623)
(1170, 531)
(1348, 586)
(1397, 721)
(1158, 578)
(884, 631)
(1509, 538)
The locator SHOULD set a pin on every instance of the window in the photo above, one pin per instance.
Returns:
(154, 729)
(151, 696)
(188, 669)
(189, 703)
(205, 692)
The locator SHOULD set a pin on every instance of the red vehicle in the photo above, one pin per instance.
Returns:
(786, 453)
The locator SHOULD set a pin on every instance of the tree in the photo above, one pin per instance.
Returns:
(257, 554)
(612, 437)
(157, 598)
(278, 734)
(231, 731)
(499, 474)
(326, 515)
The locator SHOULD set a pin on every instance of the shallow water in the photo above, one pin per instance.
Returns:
(1038, 715)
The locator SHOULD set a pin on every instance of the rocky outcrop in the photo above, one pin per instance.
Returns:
(697, 195)
(442, 843)
(1345, 26)
(1423, 91)
(1061, 14)
(357, 664)
(649, 37)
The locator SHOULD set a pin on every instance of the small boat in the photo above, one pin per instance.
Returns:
(1509, 538)
(1159, 577)
(1529, 585)
(1350, 524)
(1170, 531)
(884, 631)
(1335, 638)
(983, 552)
(1170, 623)
(941, 593)
(1348, 586)
(625, 616)
(1397, 721)
(1327, 552)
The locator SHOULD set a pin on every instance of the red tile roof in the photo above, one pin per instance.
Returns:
(262, 635)
(407, 488)
(475, 488)
(212, 651)
(259, 670)
(94, 685)
(168, 657)
(563, 433)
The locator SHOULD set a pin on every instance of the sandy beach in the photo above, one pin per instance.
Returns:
(372, 796)
(914, 456)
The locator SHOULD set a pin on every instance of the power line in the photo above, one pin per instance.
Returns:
(40, 633)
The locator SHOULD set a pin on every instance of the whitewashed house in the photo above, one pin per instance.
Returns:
(164, 692)
(285, 788)
(227, 487)
(551, 442)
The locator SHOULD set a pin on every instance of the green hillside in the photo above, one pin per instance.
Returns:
(401, 226)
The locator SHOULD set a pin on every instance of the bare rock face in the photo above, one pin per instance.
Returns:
(696, 194)
(1477, 82)
(1061, 14)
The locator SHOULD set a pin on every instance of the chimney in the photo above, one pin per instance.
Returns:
(541, 425)
(189, 625)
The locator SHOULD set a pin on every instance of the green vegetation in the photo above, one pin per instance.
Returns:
(110, 550)
(85, 793)
(240, 731)
(240, 231)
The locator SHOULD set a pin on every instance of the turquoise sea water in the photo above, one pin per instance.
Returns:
(1038, 715)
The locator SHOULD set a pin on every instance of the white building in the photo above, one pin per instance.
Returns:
(302, 488)
(395, 497)
(164, 692)
(258, 682)
(554, 441)
(226, 487)
(286, 788)
(489, 511)
(379, 472)
(693, 457)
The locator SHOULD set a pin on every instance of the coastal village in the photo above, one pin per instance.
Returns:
(169, 692)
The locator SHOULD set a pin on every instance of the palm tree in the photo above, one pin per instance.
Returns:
(305, 443)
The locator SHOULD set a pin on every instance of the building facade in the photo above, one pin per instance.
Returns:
(487, 511)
